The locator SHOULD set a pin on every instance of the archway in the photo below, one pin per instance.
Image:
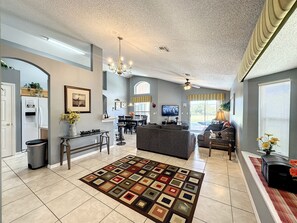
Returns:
(30, 75)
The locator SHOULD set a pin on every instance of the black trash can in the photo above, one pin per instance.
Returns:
(37, 153)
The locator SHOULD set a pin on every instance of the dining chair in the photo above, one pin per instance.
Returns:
(129, 125)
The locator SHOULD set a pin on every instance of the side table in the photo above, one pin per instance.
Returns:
(221, 143)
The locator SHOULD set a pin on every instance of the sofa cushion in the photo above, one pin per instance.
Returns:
(152, 126)
(200, 137)
(172, 127)
(215, 127)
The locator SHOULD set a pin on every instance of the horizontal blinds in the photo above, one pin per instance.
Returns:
(270, 20)
(205, 97)
(139, 99)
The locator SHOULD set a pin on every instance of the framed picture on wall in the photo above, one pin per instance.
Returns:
(117, 105)
(123, 104)
(77, 99)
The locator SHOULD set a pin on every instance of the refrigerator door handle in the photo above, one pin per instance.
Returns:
(36, 117)
(40, 116)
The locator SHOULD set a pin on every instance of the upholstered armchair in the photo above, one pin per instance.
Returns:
(226, 132)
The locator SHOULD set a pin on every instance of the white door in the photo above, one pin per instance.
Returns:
(7, 119)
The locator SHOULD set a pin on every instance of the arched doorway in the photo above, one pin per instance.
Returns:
(32, 100)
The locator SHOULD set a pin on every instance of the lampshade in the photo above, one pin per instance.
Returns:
(220, 116)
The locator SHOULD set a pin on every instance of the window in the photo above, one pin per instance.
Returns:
(142, 87)
(142, 108)
(274, 113)
(202, 113)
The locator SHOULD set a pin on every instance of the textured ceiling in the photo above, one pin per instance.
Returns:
(206, 39)
(281, 54)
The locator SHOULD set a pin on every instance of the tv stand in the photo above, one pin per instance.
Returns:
(169, 123)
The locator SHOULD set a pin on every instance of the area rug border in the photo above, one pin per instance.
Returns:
(146, 213)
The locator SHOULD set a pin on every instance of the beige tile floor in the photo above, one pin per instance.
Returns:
(56, 195)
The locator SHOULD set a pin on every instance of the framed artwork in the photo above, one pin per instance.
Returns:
(123, 104)
(77, 99)
(117, 105)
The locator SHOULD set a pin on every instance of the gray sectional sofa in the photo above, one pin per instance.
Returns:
(170, 140)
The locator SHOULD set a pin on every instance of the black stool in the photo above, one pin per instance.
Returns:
(121, 138)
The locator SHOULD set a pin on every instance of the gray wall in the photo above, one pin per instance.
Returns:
(154, 93)
(247, 110)
(164, 92)
(61, 74)
(116, 89)
(168, 94)
(246, 122)
(13, 76)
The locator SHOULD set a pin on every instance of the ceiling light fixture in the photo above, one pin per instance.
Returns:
(63, 45)
(187, 85)
(121, 68)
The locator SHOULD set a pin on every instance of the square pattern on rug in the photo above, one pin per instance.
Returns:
(159, 191)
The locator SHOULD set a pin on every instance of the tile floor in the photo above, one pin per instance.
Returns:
(56, 195)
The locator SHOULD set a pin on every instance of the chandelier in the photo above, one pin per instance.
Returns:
(187, 85)
(119, 68)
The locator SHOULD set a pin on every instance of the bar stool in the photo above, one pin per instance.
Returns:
(121, 137)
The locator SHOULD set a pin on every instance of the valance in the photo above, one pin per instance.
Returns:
(204, 97)
(269, 23)
(139, 99)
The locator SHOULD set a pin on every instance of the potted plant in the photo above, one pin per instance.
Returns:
(37, 89)
(267, 142)
(225, 106)
(72, 118)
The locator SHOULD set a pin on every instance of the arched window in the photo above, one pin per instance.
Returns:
(142, 87)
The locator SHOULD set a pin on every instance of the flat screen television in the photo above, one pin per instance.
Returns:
(170, 110)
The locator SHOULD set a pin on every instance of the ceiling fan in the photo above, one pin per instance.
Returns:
(188, 85)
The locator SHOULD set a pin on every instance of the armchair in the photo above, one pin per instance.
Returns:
(226, 132)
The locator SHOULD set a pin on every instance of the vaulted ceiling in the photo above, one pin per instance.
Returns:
(206, 39)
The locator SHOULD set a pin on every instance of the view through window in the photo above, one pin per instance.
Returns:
(274, 113)
(202, 113)
(142, 108)
(142, 87)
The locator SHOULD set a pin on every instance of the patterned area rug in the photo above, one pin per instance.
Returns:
(161, 192)
(285, 203)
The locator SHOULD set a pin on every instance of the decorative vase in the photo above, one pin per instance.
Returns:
(72, 130)
(267, 152)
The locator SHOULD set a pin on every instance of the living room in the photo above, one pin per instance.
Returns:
(243, 116)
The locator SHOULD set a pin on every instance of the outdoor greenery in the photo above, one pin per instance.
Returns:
(4, 65)
(203, 111)
(35, 86)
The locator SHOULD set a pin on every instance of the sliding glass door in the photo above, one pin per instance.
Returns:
(202, 113)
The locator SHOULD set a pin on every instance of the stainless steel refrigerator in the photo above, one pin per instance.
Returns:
(34, 117)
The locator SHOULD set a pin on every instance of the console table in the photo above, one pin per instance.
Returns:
(221, 143)
(66, 148)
